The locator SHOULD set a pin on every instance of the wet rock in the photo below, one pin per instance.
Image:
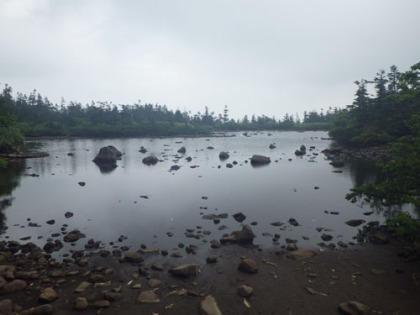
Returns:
(215, 244)
(260, 160)
(277, 223)
(182, 150)
(355, 222)
(174, 168)
(239, 217)
(185, 270)
(244, 290)
(342, 244)
(210, 147)
(293, 222)
(107, 157)
(142, 149)
(132, 257)
(50, 222)
(148, 297)
(81, 304)
(248, 265)
(13, 286)
(68, 214)
(299, 153)
(291, 246)
(301, 254)
(73, 236)
(48, 295)
(379, 239)
(326, 237)
(245, 236)
(209, 306)
(272, 146)
(223, 156)
(83, 184)
(355, 308)
(229, 165)
(150, 160)
(45, 309)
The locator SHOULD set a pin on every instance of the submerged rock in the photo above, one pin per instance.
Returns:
(223, 156)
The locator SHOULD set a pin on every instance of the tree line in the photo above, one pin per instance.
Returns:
(35, 116)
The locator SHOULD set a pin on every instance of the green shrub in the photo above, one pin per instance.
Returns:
(406, 229)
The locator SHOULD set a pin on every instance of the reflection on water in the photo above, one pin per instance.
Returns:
(114, 204)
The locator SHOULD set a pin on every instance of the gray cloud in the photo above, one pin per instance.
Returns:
(265, 57)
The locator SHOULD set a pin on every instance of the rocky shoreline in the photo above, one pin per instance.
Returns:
(235, 278)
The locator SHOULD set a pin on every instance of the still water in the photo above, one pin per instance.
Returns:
(111, 204)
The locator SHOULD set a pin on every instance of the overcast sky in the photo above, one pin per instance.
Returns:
(267, 57)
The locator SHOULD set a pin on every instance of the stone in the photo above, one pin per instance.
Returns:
(293, 222)
(355, 308)
(245, 236)
(73, 236)
(326, 237)
(148, 297)
(260, 160)
(301, 254)
(211, 259)
(223, 156)
(291, 246)
(209, 306)
(379, 239)
(355, 222)
(6, 307)
(182, 150)
(244, 290)
(13, 286)
(112, 296)
(45, 309)
(154, 283)
(337, 163)
(150, 160)
(68, 214)
(239, 217)
(48, 295)
(82, 287)
(132, 257)
(248, 265)
(81, 303)
(50, 222)
(107, 157)
(102, 304)
(185, 270)
(142, 149)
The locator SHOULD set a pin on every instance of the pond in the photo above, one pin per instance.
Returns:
(154, 206)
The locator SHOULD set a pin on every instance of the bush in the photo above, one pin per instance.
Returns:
(406, 229)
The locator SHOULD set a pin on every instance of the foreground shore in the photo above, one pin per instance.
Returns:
(141, 282)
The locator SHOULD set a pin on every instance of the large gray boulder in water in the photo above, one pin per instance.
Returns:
(107, 157)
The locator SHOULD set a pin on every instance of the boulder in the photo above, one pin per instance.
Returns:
(244, 290)
(260, 160)
(6, 307)
(45, 309)
(301, 254)
(148, 297)
(13, 286)
(209, 306)
(108, 156)
(182, 150)
(239, 217)
(245, 236)
(223, 156)
(48, 295)
(355, 222)
(355, 308)
(185, 270)
(248, 265)
(150, 160)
